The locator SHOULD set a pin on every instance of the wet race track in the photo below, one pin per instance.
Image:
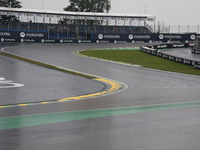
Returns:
(155, 110)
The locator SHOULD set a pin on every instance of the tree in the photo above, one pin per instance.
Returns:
(10, 3)
(88, 6)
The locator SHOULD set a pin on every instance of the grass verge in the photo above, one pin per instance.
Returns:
(140, 58)
(47, 65)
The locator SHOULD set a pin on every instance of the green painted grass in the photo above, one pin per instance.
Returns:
(140, 58)
(49, 118)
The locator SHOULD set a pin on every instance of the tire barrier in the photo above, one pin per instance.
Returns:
(153, 50)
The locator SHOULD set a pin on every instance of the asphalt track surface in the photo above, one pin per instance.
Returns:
(183, 53)
(158, 111)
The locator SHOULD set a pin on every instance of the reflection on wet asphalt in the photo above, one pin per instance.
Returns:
(158, 129)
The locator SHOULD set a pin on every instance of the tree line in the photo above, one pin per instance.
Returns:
(74, 6)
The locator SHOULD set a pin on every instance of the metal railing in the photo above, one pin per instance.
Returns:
(176, 29)
(64, 31)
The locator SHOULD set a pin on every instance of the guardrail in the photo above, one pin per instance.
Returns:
(153, 50)
(179, 29)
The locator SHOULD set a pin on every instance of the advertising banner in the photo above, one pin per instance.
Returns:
(188, 62)
(176, 37)
(195, 51)
(134, 38)
(197, 65)
(174, 45)
(107, 38)
(160, 54)
(180, 60)
(138, 38)
(23, 35)
(172, 58)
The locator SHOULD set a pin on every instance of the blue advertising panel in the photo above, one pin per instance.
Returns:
(137, 38)
(28, 36)
(12, 36)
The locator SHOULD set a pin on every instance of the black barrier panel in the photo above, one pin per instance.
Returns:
(166, 56)
(9, 40)
(154, 52)
(173, 45)
(172, 58)
(134, 38)
(23, 35)
(188, 62)
(103, 38)
(161, 46)
(179, 45)
(65, 41)
(176, 37)
(160, 54)
(149, 51)
(180, 60)
(195, 51)
(143, 49)
(28, 40)
(102, 41)
(197, 65)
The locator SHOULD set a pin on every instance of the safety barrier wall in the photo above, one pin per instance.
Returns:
(196, 47)
(195, 51)
(31, 36)
(153, 50)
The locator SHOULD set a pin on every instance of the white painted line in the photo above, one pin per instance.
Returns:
(8, 84)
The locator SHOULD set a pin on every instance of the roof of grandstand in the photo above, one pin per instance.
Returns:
(75, 15)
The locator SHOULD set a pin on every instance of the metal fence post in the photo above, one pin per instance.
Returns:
(76, 32)
(67, 32)
(179, 29)
(58, 31)
(48, 32)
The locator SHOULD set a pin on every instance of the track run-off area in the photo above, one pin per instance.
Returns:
(62, 100)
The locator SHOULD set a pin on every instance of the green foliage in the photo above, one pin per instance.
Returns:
(10, 3)
(100, 6)
(88, 6)
(6, 18)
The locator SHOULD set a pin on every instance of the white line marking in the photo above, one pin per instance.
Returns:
(8, 84)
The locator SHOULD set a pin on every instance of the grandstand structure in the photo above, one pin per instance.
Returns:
(51, 22)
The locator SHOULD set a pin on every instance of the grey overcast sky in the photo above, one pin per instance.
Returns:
(172, 12)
